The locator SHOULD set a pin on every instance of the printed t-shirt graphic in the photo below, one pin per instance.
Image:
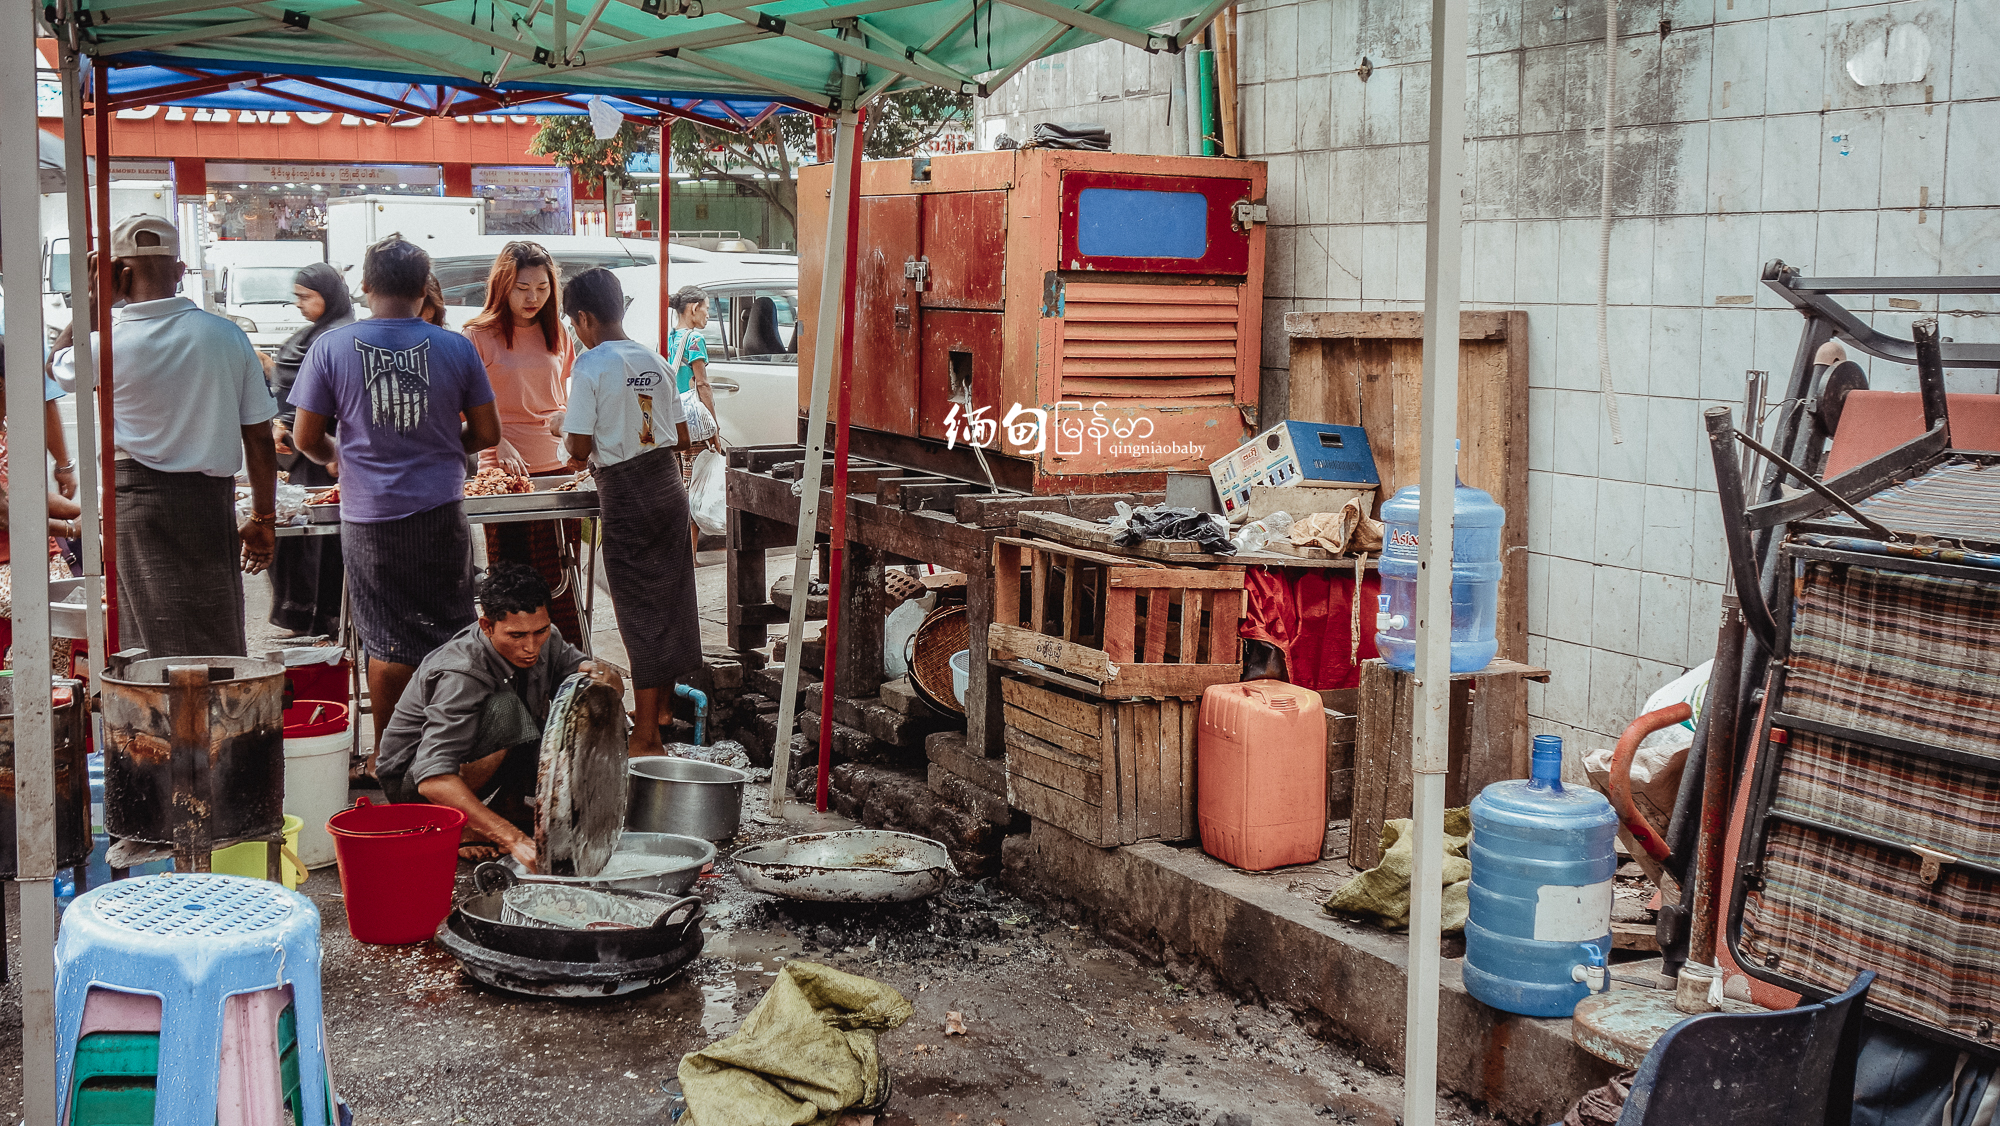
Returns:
(399, 384)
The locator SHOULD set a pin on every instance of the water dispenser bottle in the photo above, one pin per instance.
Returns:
(1543, 861)
(1476, 524)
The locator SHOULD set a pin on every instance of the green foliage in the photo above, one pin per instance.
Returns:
(570, 141)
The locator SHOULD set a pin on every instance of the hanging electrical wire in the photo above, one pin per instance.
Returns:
(1604, 226)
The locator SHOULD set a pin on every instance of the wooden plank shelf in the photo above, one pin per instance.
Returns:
(1109, 772)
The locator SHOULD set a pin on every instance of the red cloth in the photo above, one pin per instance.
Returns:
(1307, 613)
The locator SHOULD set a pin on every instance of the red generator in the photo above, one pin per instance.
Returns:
(1059, 321)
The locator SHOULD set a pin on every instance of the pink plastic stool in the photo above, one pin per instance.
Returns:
(251, 1092)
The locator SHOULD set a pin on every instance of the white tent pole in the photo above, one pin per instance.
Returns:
(826, 338)
(1431, 717)
(28, 541)
(76, 171)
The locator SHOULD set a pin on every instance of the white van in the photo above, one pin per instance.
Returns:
(251, 284)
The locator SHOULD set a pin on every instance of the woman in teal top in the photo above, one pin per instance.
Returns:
(687, 348)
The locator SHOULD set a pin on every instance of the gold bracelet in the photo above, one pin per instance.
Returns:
(270, 518)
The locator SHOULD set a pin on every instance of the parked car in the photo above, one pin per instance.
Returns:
(462, 264)
(753, 347)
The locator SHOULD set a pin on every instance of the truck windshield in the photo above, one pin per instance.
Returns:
(261, 285)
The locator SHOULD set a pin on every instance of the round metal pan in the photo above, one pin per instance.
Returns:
(861, 866)
(541, 977)
(479, 919)
(667, 863)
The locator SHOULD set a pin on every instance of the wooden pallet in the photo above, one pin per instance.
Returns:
(1108, 772)
(1113, 627)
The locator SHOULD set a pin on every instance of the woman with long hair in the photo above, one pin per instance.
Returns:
(528, 351)
(306, 572)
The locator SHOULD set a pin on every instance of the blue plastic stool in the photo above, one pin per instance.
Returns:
(192, 941)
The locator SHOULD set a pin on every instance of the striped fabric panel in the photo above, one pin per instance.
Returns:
(1912, 656)
(1829, 907)
(1959, 500)
(1941, 805)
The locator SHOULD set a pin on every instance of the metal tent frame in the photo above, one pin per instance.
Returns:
(668, 57)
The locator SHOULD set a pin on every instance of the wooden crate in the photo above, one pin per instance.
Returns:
(1366, 370)
(1108, 771)
(1489, 742)
(1113, 626)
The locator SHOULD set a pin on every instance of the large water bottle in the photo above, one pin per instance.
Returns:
(1476, 524)
(1543, 859)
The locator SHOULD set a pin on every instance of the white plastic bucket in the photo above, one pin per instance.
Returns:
(316, 773)
(961, 671)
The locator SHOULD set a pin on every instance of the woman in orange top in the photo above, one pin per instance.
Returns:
(528, 351)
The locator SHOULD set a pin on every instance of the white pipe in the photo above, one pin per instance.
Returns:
(1431, 717)
(833, 278)
(1191, 102)
(1604, 227)
(84, 453)
(28, 542)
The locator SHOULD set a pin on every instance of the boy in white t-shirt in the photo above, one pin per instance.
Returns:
(625, 422)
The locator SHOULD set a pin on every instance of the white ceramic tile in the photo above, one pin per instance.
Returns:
(1623, 462)
(1492, 191)
(1728, 341)
(1498, 108)
(1792, 151)
(1414, 124)
(1315, 31)
(1410, 264)
(1614, 602)
(1631, 273)
(1576, 346)
(1344, 263)
(1378, 254)
(1787, 235)
(1567, 697)
(1576, 435)
(1687, 67)
(1737, 83)
(1850, 167)
(1615, 696)
(1542, 333)
(1975, 32)
(1282, 189)
(1913, 167)
(1909, 243)
(1731, 267)
(1728, 10)
(1537, 275)
(1620, 523)
(1683, 169)
(1541, 486)
(1675, 443)
(1971, 246)
(1312, 101)
(1493, 272)
(1668, 544)
(1711, 554)
(1570, 616)
(1281, 43)
(1975, 151)
(1413, 185)
(1795, 67)
(1735, 165)
(1573, 518)
(1663, 618)
(1704, 618)
(1543, 74)
(1679, 247)
(1381, 108)
(1630, 338)
(1250, 107)
(1538, 656)
(1309, 261)
(1341, 191)
(1379, 173)
(1844, 245)
(1675, 361)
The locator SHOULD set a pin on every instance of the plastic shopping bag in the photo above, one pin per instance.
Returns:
(708, 494)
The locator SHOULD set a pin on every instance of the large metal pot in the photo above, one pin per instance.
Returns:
(686, 796)
(210, 730)
(72, 781)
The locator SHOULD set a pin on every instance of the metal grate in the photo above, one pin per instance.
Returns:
(194, 905)
(1150, 341)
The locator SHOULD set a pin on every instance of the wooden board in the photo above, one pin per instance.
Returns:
(1366, 370)
(1109, 772)
(1488, 728)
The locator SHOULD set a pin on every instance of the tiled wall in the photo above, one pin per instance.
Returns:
(1742, 138)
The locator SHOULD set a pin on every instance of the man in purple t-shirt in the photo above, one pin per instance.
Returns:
(397, 387)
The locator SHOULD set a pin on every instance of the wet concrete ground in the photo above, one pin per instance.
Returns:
(1061, 1029)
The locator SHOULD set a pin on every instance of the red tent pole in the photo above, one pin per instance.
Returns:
(837, 533)
(100, 109)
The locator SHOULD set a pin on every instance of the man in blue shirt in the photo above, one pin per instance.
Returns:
(398, 387)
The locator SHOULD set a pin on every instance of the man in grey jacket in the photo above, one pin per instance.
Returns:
(467, 732)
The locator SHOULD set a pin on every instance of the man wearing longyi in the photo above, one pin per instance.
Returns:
(467, 733)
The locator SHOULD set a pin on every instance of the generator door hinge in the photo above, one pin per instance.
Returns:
(1248, 212)
(918, 270)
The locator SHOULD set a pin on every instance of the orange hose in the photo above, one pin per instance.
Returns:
(1621, 776)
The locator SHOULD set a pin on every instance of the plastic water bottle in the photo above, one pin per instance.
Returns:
(1543, 859)
(1476, 524)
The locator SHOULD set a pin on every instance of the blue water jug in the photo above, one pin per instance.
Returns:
(1543, 862)
(1476, 524)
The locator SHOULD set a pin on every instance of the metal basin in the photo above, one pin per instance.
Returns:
(862, 866)
(479, 919)
(686, 796)
(667, 863)
(534, 976)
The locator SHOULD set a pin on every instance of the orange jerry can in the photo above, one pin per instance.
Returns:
(1261, 774)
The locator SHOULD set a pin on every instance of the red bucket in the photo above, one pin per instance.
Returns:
(397, 864)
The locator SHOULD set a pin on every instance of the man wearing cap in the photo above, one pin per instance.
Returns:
(191, 408)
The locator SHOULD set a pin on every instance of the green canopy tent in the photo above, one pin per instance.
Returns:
(830, 58)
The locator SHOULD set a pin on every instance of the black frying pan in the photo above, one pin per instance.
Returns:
(478, 919)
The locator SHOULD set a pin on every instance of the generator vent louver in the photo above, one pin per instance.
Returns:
(1149, 342)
